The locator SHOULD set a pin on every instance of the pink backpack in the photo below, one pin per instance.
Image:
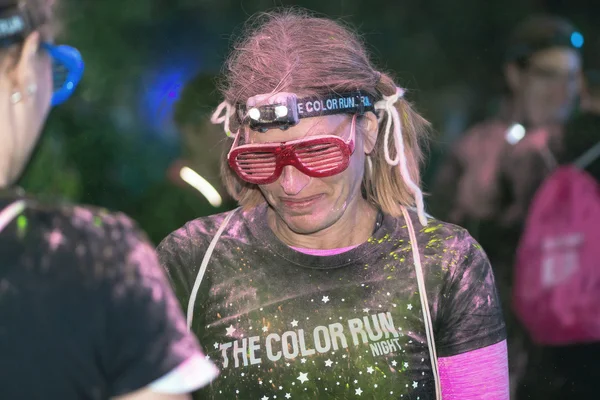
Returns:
(556, 292)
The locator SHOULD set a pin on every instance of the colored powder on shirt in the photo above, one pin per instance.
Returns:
(464, 376)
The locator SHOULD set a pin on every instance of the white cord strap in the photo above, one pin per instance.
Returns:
(388, 106)
(202, 270)
(217, 117)
(424, 304)
(11, 212)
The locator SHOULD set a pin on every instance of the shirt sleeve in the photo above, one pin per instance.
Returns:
(176, 255)
(147, 333)
(469, 315)
(476, 375)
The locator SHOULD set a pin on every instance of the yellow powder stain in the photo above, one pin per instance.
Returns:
(432, 228)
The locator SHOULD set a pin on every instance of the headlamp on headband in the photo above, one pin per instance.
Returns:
(285, 110)
(281, 115)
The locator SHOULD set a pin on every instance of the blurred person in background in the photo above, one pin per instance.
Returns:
(85, 308)
(491, 174)
(174, 199)
(329, 280)
(542, 75)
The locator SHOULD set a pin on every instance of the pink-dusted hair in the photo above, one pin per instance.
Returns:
(294, 51)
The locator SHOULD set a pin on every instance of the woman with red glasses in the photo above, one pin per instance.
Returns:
(85, 309)
(330, 281)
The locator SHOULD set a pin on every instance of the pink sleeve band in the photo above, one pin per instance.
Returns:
(480, 374)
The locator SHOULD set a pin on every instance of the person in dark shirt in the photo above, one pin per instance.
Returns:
(329, 281)
(86, 311)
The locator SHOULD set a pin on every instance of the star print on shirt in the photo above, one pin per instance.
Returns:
(230, 330)
(370, 370)
(328, 363)
(303, 360)
(287, 395)
(409, 307)
(366, 310)
(415, 384)
(294, 323)
(325, 299)
(264, 329)
(358, 391)
(216, 345)
(264, 398)
(303, 377)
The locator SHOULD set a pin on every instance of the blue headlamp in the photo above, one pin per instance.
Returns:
(67, 63)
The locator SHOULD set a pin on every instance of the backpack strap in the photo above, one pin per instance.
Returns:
(11, 212)
(588, 157)
(424, 304)
(202, 270)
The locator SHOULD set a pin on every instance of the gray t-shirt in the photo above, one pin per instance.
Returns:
(282, 324)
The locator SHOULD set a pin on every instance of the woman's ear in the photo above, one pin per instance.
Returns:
(26, 65)
(370, 129)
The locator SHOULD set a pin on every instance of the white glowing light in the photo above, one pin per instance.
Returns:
(199, 183)
(281, 111)
(515, 133)
(254, 113)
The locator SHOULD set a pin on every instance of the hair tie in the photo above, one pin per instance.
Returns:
(217, 118)
(388, 106)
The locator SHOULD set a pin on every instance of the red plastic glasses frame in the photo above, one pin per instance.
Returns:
(317, 156)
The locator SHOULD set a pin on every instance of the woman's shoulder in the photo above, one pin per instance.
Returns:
(200, 231)
(447, 245)
(80, 221)
(438, 233)
(65, 236)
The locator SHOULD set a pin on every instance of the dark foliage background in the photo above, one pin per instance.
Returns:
(113, 143)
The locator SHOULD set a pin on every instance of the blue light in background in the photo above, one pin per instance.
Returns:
(178, 53)
(577, 40)
(162, 89)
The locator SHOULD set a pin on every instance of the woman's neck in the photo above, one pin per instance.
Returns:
(354, 227)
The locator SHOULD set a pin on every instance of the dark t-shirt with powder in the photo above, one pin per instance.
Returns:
(283, 324)
(86, 311)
